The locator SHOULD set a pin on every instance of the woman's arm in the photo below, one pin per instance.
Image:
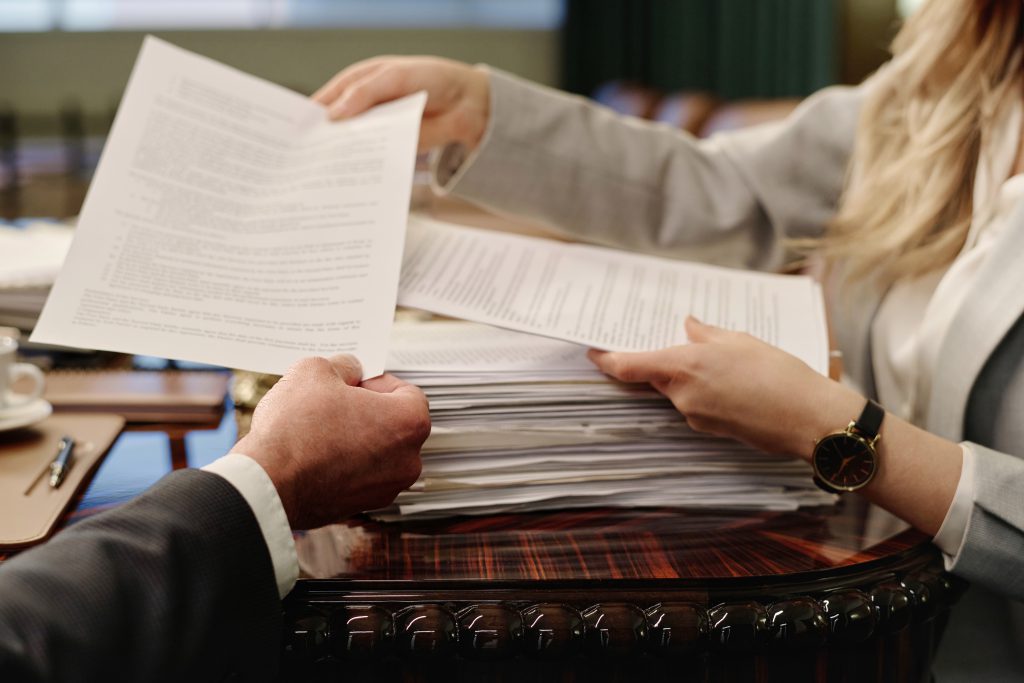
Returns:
(734, 385)
(595, 175)
(586, 171)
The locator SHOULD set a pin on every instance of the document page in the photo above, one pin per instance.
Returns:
(229, 222)
(600, 297)
(458, 347)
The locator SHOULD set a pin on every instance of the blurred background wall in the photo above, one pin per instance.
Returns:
(61, 54)
(42, 72)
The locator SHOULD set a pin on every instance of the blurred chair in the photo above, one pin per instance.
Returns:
(628, 98)
(687, 110)
(697, 112)
(744, 113)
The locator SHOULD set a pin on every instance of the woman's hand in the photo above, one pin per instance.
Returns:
(458, 95)
(732, 384)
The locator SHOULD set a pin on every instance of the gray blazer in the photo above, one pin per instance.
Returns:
(176, 585)
(733, 199)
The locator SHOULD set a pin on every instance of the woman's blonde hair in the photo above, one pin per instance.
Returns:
(908, 202)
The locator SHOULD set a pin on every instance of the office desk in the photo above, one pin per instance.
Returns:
(845, 593)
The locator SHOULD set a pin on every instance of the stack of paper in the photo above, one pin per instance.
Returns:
(32, 257)
(524, 423)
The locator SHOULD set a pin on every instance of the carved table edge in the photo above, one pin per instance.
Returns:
(558, 624)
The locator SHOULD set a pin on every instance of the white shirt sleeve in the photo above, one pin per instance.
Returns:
(252, 481)
(950, 538)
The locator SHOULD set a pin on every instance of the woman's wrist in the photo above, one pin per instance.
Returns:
(832, 408)
(478, 92)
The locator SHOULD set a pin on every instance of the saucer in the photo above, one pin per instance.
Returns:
(23, 416)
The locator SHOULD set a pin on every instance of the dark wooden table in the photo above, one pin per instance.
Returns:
(846, 593)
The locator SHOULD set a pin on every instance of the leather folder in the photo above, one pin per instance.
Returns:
(140, 396)
(29, 507)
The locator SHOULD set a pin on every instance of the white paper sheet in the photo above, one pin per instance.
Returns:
(229, 222)
(458, 347)
(601, 297)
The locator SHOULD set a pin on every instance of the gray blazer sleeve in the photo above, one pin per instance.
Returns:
(992, 553)
(582, 169)
(176, 585)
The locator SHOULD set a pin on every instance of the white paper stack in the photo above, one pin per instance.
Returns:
(524, 423)
(30, 258)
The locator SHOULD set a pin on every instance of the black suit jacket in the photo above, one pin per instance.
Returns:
(176, 585)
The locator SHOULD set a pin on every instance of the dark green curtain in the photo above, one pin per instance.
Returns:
(734, 48)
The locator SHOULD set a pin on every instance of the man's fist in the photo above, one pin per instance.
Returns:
(333, 446)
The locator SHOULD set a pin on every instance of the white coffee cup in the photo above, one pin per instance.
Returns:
(12, 371)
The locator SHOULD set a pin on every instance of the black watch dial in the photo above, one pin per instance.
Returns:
(844, 461)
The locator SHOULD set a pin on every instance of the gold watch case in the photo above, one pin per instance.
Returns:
(845, 461)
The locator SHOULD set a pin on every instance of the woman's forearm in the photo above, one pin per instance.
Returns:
(734, 385)
(918, 472)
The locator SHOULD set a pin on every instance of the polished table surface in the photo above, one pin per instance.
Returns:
(837, 593)
(608, 544)
(603, 543)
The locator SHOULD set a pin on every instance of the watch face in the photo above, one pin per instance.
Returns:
(844, 461)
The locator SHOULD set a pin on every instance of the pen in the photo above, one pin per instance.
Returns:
(62, 463)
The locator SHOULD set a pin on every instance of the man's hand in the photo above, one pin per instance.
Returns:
(458, 95)
(334, 447)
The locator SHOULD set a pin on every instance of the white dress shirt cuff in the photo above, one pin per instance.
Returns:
(951, 535)
(252, 481)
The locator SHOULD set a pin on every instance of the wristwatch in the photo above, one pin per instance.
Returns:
(847, 460)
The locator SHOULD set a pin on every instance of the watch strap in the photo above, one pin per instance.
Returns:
(870, 420)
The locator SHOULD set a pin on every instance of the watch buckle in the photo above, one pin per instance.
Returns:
(852, 430)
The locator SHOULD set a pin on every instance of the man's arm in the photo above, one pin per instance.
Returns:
(180, 584)
(175, 585)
